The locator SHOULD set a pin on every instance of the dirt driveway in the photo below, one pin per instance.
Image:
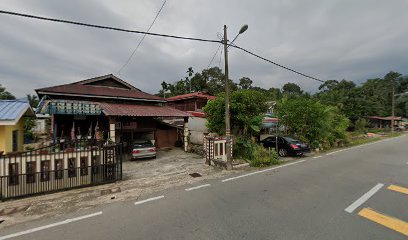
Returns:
(140, 178)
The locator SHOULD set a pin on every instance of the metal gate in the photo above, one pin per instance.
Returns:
(60, 166)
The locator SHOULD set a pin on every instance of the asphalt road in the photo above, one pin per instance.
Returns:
(304, 200)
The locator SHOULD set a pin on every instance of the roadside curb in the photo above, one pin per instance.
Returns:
(241, 166)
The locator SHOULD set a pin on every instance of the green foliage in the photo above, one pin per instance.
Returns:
(262, 157)
(5, 95)
(372, 98)
(245, 83)
(32, 100)
(247, 108)
(361, 125)
(292, 90)
(311, 121)
(257, 155)
(244, 148)
(210, 80)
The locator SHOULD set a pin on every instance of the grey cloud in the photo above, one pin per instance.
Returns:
(347, 39)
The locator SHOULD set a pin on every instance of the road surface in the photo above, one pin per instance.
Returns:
(356, 193)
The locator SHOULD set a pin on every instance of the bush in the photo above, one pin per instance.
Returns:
(257, 155)
(244, 148)
(262, 157)
(361, 125)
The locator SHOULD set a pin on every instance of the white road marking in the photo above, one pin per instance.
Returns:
(362, 145)
(330, 153)
(262, 171)
(147, 200)
(201, 186)
(49, 226)
(317, 157)
(363, 198)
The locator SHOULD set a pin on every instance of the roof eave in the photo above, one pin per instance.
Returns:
(100, 96)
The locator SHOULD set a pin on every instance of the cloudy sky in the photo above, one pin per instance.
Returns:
(343, 39)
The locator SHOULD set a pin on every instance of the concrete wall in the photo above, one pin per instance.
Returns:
(40, 125)
(197, 128)
(6, 137)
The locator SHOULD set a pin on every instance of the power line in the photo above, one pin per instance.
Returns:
(277, 64)
(141, 40)
(215, 54)
(106, 27)
(151, 34)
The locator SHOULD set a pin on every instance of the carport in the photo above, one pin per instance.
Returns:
(129, 122)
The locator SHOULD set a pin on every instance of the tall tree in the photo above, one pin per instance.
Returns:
(32, 100)
(5, 95)
(247, 110)
(245, 83)
(292, 90)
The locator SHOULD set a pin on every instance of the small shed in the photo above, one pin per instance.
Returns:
(12, 113)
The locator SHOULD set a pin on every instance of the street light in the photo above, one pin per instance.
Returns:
(227, 102)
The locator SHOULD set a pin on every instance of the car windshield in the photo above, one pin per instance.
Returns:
(291, 140)
(142, 144)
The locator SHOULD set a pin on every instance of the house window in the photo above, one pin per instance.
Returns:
(15, 140)
(84, 166)
(71, 167)
(45, 170)
(59, 169)
(13, 174)
(30, 172)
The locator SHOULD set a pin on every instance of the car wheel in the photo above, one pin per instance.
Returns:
(282, 152)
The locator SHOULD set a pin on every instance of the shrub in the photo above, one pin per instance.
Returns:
(361, 125)
(262, 157)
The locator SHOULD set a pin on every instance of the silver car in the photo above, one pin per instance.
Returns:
(143, 149)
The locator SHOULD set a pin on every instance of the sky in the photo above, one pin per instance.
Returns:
(327, 39)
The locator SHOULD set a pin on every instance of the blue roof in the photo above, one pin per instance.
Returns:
(12, 110)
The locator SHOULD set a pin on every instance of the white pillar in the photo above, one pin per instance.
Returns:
(186, 133)
(112, 124)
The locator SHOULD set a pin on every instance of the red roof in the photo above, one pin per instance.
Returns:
(98, 91)
(192, 95)
(115, 109)
(386, 118)
(197, 114)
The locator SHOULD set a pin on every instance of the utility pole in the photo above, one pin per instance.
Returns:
(227, 104)
(393, 107)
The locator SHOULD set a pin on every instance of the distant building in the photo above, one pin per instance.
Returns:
(12, 113)
(384, 122)
(193, 103)
(190, 102)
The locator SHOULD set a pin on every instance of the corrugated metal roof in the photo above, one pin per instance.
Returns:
(95, 91)
(12, 110)
(114, 109)
(385, 118)
(192, 95)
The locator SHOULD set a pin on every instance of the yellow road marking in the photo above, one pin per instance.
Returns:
(398, 189)
(387, 221)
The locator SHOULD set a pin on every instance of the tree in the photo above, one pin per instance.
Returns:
(5, 95)
(247, 109)
(328, 85)
(32, 100)
(311, 121)
(245, 83)
(292, 90)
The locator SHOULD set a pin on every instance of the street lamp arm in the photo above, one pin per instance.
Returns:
(401, 94)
